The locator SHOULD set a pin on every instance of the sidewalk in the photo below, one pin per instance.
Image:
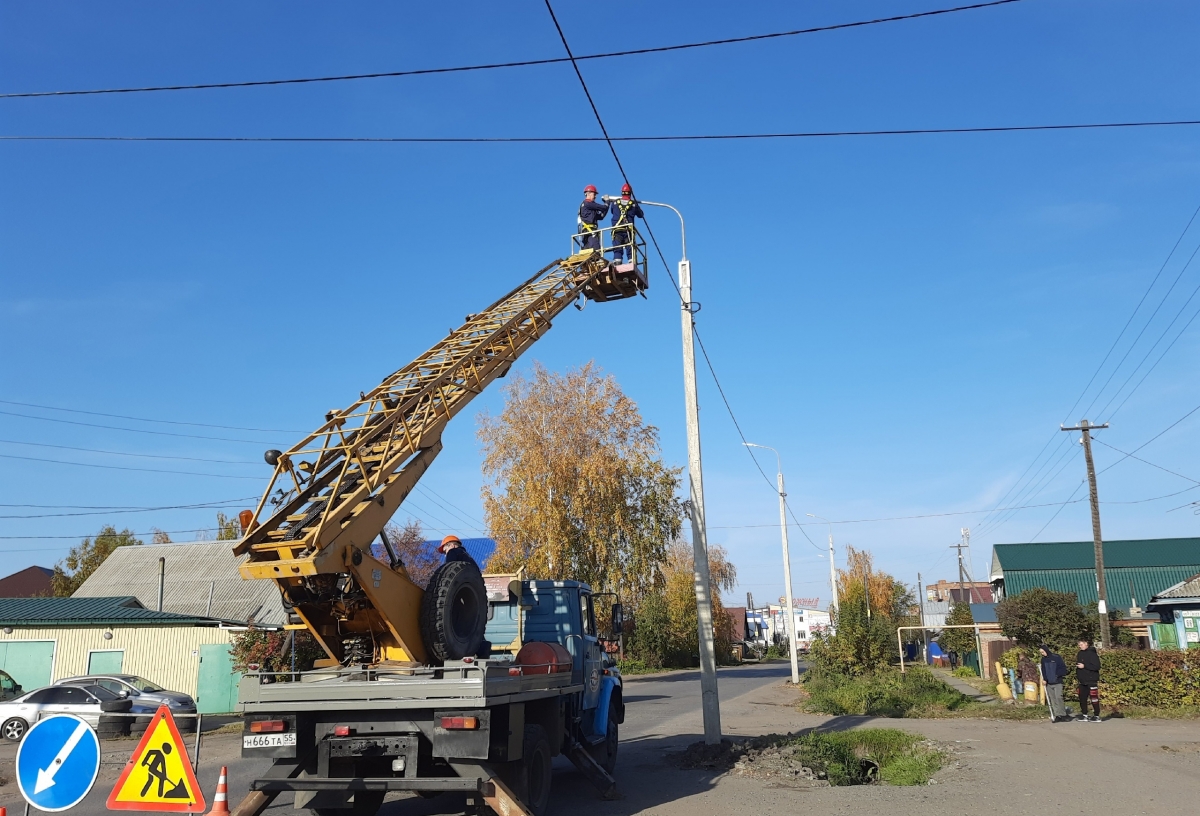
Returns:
(958, 684)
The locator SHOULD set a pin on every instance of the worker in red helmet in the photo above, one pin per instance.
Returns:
(453, 549)
(624, 210)
(590, 213)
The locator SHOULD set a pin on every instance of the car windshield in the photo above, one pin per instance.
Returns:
(142, 684)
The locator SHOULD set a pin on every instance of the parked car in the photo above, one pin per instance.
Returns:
(9, 688)
(92, 704)
(145, 695)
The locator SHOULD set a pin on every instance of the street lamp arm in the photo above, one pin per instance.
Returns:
(778, 460)
(682, 231)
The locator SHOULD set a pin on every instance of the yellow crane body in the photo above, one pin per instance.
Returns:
(332, 493)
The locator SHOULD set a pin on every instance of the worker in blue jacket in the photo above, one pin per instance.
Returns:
(590, 213)
(624, 210)
(454, 550)
(1054, 671)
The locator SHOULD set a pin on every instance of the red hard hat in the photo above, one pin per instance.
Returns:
(450, 539)
(591, 188)
(625, 188)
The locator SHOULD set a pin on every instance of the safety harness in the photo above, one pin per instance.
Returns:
(624, 207)
(584, 226)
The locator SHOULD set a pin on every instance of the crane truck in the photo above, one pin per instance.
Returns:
(471, 683)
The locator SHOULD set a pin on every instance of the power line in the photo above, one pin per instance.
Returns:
(514, 64)
(125, 453)
(97, 535)
(996, 524)
(130, 430)
(116, 511)
(144, 419)
(1151, 464)
(119, 467)
(117, 506)
(695, 137)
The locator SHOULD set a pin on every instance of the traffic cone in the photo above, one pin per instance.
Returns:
(221, 800)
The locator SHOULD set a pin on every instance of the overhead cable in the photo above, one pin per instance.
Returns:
(127, 453)
(515, 64)
(693, 137)
(119, 467)
(98, 511)
(144, 419)
(130, 430)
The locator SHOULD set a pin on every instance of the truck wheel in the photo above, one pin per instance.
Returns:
(454, 611)
(532, 772)
(605, 753)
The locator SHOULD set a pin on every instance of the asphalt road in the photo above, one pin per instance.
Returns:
(1001, 768)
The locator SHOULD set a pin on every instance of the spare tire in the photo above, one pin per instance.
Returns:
(454, 611)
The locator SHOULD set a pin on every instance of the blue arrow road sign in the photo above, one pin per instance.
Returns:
(57, 762)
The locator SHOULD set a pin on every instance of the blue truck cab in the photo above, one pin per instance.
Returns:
(567, 613)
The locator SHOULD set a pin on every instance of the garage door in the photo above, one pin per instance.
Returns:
(29, 662)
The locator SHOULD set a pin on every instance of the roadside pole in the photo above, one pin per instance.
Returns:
(1097, 539)
(787, 564)
(710, 700)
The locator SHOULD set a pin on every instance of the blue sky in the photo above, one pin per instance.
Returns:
(907, 319)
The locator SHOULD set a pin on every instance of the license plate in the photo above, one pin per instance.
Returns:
(268, 740)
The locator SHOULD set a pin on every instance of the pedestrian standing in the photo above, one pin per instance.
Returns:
(1087, 672)
(1054, 671)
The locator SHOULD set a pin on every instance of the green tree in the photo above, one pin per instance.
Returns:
(958, 640)
(1041, 615)
(871, 606)
(83, 560)
(228, 527)
(577, 488)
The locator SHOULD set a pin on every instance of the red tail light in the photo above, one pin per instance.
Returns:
(267, 726)
(460, 723)
(341, 730)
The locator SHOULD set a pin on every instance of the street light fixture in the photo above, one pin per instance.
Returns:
(787, 562)
(832, 572)
(704, 618)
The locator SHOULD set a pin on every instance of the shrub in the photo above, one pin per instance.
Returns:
(1159, 679)
(883, 693)
(1039, 615)
(269, 651)
(965, 671)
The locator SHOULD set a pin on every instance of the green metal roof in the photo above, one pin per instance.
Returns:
(124, 611)
(1146, 582)
(1065, 555)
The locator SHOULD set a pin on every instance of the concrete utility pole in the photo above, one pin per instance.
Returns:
(1097, 540)
(921, 616)
(832, 572)
(787, 562)
(710, 700)
(962, 596)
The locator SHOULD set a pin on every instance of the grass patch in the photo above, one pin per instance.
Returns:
(1147, 713)
(885, 693)
(870, 754)
(633, 666)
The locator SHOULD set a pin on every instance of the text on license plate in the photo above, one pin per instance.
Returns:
(268, 740)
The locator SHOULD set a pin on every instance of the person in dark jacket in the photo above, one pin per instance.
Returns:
(1087, 672)
(1054, 671)
(624, 210)
(590, 213)
(453, 549)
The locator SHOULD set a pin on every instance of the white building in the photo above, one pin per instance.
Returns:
(809, 623)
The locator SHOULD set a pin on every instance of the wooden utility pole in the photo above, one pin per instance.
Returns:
(1097, 541)
(962, 596)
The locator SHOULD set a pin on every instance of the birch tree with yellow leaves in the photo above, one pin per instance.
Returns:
(575, 484)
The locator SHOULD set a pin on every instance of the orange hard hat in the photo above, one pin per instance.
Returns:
(450, 539)
(591, 188)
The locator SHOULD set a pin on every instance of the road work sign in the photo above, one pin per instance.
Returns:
(159, 775)
(57, 762)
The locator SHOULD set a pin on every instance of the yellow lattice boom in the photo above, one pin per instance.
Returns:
(333, 492)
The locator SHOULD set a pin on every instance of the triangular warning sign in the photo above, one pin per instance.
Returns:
(159, 774)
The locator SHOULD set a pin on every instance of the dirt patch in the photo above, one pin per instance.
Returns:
(773, 757)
